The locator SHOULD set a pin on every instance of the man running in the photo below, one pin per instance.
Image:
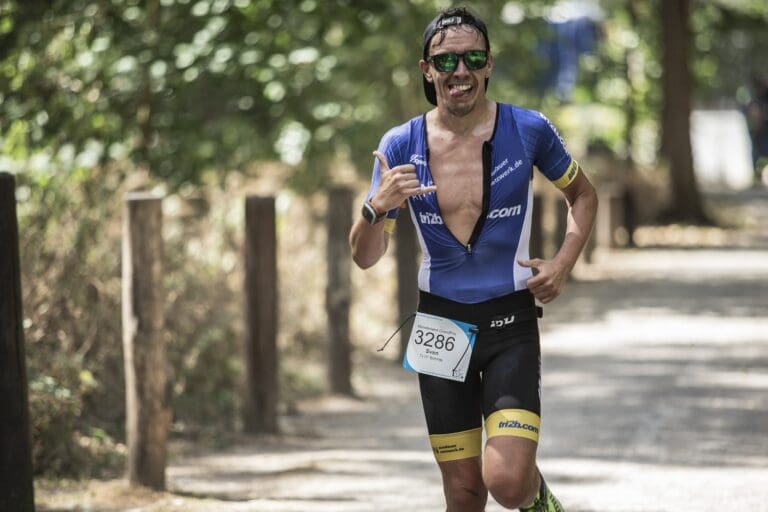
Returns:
(465, 169)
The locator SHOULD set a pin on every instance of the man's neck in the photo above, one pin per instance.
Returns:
(465, 125)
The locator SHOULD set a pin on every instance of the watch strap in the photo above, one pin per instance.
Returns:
(371, 214)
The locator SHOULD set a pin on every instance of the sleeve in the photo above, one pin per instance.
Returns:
(551, 156)
(392, 145)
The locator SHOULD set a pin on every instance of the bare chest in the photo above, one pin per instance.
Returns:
(457, 170)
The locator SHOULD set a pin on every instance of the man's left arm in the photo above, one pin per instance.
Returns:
(550, 275)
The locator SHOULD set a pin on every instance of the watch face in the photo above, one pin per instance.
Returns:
(369, 213)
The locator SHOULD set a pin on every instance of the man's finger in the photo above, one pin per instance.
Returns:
(417, 191)
(404, 176)
(405, 170)
(536, 281)
(534, 263)
(382, 160)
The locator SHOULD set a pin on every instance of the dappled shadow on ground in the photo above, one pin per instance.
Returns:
(663, 404)
(655, 398)
(330, 475)
(338, 449)
(660, 357)
(711, 283)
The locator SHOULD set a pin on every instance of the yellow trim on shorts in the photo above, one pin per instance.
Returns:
(568, 176)
(389, 225)
(458, 445)
(513, 422)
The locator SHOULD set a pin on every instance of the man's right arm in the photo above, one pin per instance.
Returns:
(368, 242)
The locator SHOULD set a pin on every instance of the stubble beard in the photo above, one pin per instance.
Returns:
(461, 109)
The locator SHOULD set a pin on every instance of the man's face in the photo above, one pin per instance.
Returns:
(459, 91)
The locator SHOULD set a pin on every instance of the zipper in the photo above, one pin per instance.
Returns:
(487, 162)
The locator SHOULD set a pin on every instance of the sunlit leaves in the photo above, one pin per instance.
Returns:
(188, 86)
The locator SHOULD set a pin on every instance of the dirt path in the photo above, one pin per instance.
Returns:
(655, 395)
(655, 399)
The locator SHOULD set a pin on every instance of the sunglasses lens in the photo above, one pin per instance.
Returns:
(446, 62)
(475, 59)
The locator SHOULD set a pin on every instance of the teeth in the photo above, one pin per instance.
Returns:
(462, 87)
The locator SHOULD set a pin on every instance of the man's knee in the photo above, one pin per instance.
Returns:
(511, 489)
(509, 470)
(463, 487)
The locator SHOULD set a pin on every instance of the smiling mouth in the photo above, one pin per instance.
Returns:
(459, 89)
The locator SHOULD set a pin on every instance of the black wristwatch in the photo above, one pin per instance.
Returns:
(371, 214)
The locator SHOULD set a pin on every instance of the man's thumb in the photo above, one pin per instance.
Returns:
(528, 263)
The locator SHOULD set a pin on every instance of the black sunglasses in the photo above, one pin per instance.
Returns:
(448, 62)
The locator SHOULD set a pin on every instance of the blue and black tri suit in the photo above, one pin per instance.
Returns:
(482, 282)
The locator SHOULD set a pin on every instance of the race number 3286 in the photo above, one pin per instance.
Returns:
(431, 340)
(440, 347)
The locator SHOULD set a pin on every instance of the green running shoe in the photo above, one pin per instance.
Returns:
(545, 501)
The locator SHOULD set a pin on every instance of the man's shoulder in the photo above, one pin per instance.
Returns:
(404, 132)
(530, 123)
(524, 115)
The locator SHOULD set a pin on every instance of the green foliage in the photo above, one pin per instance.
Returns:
(71, 305)
(72, 298)
(203, 315)
(189, 91)
(54, 410)
(185, 86)
(182, 87)
(732, 36)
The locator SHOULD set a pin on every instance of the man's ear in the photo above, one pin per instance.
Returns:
(424, 66)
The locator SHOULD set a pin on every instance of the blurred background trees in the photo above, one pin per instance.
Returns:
(98, 97)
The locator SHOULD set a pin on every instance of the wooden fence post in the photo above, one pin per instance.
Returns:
(611, 230)
(148, 413)
(406, 252)
(16, 489)
(338, 293)
(261, 393)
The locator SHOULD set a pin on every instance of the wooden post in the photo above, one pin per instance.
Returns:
(148, 413)
(610, 224)
(630, 218)
(261, 393)
(602, 228)
(406, 253)
(16, 489)
(338, 294)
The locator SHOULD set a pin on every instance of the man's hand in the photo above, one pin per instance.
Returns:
(548, 278)
(397, 184)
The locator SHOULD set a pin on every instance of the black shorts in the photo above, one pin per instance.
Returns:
(503, 380)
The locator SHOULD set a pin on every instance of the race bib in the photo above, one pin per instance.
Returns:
(440, 347)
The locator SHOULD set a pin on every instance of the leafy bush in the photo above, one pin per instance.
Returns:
(70, 225)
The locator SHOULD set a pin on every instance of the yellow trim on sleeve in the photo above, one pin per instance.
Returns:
(513, 422)
(568, 176)
(458, 445)
(389, 225)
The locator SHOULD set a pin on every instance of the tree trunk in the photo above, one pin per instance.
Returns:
(631, 60)
(16, 490)
(406, 254)
(261, 394)
(148, 413)
(338, 293)
(685, 204)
